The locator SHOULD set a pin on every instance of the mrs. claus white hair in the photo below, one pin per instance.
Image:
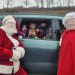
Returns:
(68, 20)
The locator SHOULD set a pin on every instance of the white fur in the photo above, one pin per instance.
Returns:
(16, 66)
(4, 69)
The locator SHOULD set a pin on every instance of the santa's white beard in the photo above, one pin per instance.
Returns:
(10, 31)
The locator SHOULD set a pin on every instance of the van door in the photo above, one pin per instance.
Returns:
(42, 55)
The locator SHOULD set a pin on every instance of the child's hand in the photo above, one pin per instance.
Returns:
(37, 30)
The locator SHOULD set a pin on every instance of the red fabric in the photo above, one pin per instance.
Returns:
(18, 27)
(5, 49)
(20, 43)
(20, 72)
(6, 52)
(19, 33)
(66, 63)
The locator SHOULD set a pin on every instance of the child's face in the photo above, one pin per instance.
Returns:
(24, 28)
(33, 26)
(43, 24)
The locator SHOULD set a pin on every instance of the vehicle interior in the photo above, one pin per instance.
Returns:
(54, 27)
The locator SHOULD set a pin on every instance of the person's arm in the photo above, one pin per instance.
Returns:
(18, 52)
(21, 48)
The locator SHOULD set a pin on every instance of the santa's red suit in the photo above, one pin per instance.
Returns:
(11, 49)
(66, 62)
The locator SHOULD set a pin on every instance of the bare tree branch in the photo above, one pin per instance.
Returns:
(26, 3)
(8, 3)
(42, 3)
(37, 3)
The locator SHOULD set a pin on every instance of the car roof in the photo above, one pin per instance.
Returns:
(36, 16)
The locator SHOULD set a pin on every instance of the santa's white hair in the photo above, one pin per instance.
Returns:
(67, 20)
(8, 18)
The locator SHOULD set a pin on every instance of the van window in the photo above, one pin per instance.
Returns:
(44, 29)
(57, 28)
(62, 28)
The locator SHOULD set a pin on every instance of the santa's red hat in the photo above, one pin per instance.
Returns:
(17, 26)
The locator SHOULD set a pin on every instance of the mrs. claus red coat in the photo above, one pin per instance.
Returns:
(66, 63)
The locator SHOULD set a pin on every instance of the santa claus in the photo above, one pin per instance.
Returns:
(66, 62)
(11, 49)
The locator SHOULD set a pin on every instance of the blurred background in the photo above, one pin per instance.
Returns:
(36, 3)
(53, 7)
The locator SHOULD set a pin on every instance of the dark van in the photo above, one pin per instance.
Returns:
(41, 56)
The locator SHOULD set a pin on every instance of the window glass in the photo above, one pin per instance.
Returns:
(44, 29)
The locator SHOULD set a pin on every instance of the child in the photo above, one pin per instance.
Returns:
(32, 31)
(42, 31)
(24, 31)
